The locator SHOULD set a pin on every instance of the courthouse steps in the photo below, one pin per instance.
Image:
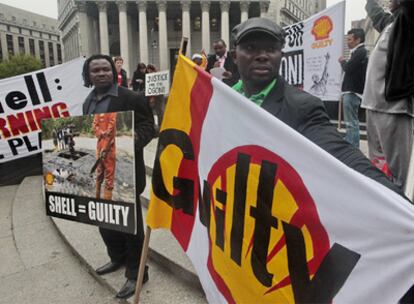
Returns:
(172, 276)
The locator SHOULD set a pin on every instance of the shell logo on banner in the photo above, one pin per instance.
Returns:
(322, 28)
(269, 216)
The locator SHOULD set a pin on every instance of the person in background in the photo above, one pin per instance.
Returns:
(258, 53)
(353, 82)
(200, 60)
(197, 59)
(55, 139)
(122, 78)
(138, 79)
(389, 88)
(157, 103)
(223, 59)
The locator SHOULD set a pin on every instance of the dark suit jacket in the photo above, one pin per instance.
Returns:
(306, 114)
(143, 124)
(229, 65)
(355, 69)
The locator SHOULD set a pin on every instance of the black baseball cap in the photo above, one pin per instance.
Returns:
(257, 24)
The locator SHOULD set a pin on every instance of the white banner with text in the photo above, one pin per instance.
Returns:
(311, 53)
(27, 99)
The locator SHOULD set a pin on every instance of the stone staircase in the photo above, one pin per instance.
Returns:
(172, 276)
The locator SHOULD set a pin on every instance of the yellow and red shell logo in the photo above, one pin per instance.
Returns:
(322, 27)
(49, 178)
(253, 267)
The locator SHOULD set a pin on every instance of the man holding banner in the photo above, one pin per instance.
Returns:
(258, 53)
(258, 199)
(99, 71)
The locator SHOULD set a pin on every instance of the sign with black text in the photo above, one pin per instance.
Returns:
(27, 99)
(311, 52)
(88, 170)
(157, 83)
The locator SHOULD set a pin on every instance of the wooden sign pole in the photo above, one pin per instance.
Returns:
(142, 263)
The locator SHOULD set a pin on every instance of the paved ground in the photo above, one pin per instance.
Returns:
(36, 266)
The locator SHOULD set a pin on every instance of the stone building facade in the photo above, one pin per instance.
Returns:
(23, 32)
(151, 31)
(287, 12)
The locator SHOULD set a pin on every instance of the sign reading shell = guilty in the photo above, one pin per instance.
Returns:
(108, 214)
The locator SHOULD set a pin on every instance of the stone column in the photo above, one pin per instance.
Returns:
(47, 53)
(3, 42)
(123, 33)
(83, 29)
(55, 52)
(16, 49)
(26, 45)
(162, 29)
(37, 49)
(143, 31)
(225, 32)
(205, 25)
(103, 28)
(244, 10)
(186, 26)
(264, 6)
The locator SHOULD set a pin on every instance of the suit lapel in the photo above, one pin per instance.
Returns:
(274, 100)
(113, 104)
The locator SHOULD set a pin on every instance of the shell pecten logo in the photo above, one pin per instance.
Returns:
(322, 27)
(272, 215)
(49, 178)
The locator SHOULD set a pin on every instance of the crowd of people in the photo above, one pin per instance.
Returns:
(137, 84)
(383, 85)
(252, 69)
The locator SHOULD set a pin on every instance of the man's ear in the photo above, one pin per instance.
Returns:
(234, 55)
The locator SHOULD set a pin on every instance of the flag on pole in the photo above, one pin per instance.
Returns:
(265, 215)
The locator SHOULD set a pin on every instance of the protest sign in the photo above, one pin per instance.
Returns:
(88, 169)
(157, 83)
(311, 53)
(27, 99)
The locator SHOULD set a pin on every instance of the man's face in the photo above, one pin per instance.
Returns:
(118, 64)
(258, 58)
(219, 48)
(394, 5)
(100, 73)
(352, 41)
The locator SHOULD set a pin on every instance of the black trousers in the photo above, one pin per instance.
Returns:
(125, 247)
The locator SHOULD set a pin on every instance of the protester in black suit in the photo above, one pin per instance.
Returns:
(223, 58)
(138, 79)
(258, 53)
(99, 71)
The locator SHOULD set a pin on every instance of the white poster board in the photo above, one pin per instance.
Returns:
(157, 83)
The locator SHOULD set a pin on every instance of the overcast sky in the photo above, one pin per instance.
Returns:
(354, 8)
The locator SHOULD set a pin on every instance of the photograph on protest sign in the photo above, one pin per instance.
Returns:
(88, 169)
